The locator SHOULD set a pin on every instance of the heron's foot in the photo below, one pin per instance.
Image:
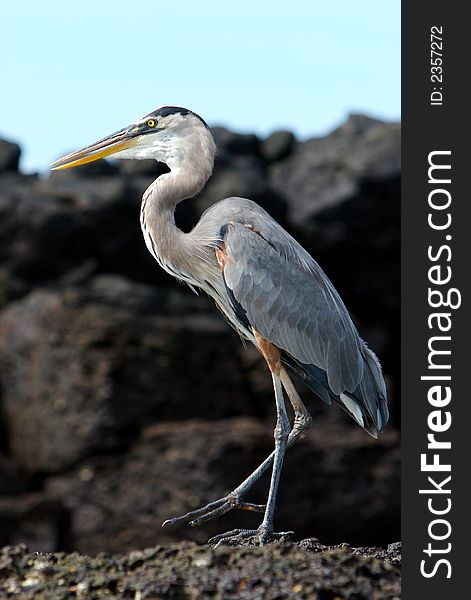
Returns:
(263, 535)
(213, 510)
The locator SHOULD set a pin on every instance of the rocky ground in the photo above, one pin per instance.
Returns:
(125, 399)
(306, 570)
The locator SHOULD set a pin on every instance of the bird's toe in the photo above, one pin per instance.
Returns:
(262, 535)
(213, 510)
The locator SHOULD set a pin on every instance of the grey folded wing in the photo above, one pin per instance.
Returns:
(293, 308)
(287, 298)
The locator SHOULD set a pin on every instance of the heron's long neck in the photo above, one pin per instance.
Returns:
(169, 245)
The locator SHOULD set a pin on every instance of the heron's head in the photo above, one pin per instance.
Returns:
(172, 135)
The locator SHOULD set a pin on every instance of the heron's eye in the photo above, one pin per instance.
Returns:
(151, 123)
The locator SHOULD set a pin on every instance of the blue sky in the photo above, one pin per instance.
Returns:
(73, 72)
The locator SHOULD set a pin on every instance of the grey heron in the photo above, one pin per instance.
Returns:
(271, 291)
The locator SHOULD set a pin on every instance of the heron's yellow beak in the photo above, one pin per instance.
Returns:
(121, 140)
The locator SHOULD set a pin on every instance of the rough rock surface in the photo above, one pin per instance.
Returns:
(321, 173)
(85, 367)
(186, 571)
(277, 146)
(9, 156)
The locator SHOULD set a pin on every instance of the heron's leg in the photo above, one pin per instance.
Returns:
(233, 500)
(302, 418)
(302, 421)
(281, 434)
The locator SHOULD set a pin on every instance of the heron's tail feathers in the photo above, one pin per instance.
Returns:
(367, 404)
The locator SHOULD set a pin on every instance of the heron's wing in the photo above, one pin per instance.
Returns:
(290, 302)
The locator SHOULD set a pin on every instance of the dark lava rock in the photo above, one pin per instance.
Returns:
(9, 156)
(240, 171)
(198, 572)
(30, 516)
(344, 185)
(44, 523)
(50, 227)
(277, 146)
(9, 480)
(137, 168)
(322, 173)
(241, 176)
(82, 369)
(230, 143)
(392, 553)
(337, 483)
